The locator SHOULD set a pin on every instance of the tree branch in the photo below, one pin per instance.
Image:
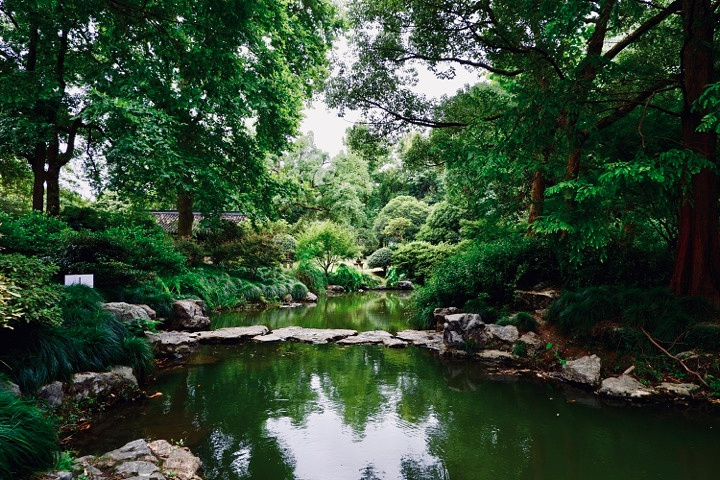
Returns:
(643, 29)
(682, 364)
(629, 105)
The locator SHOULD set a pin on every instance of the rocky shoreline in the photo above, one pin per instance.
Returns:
(136, 460)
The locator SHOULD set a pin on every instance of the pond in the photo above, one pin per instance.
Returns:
(294, 411)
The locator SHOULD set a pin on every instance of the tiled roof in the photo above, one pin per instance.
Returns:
(168, 220)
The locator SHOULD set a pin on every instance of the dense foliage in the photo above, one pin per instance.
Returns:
(28, 442)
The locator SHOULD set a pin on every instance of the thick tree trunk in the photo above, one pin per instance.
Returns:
(537, 196)
(52, 179)
(185, 215)
(37, 164)
(52, 184)
(697, 261)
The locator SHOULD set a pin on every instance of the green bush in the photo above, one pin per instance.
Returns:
(299, 291)
(252, 252)
(665, 316)
(100, 219)
(417, 260)
(89, 339)
(490, 271)
(28, 442)
(443, 224)
(153, 293)
(352, 279)
(381, 258)
(119, 255)
(32, 297)
(30, 234)
(311, 275)
(705, 336)
(522, 320)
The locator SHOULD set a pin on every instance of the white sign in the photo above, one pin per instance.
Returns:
(79, 280)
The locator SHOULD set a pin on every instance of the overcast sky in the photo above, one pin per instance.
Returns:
(329, 128)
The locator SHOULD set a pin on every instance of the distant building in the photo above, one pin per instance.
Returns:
(168, 219)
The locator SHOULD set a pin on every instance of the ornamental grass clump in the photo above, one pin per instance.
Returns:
(28, 442)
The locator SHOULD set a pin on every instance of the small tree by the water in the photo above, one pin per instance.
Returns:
(326, 244)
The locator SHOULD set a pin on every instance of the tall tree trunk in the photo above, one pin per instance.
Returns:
(537, 196)
(52, 178)
(37, 164)
(697, 261)
(52, 185)
(185, 215)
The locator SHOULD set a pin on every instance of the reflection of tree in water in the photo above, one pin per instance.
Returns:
(468, 425)
(368, 311)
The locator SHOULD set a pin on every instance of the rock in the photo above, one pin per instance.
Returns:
(531, 300)
(183, 464)
(172, 344)
(127, 312)
(373, 337)
(10, 387)
(422, 338)
(503, 333)
(137, 468)
(678, 389)
(311, 297)
(460, 327)
(393, 342)
(190, 315)
(404, 285)
(584, 370)
(291, 305)
(336, 288)
(139, 460)
(495, 356)
(439, 315)
(269, 338)
(231, 334)
(52, 394)
(312, 335)
(118, 382)
(532, 342)
(287, 299)
(135, 450)
(624, 386)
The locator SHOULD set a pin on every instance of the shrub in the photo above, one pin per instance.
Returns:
(487, 270)
(287, 244)
(658, 311)
(522, 320)
(299, 291)
(30, 234)
(193, 252)
(381, 258)
(89, 339)
(153, 293)
(311, 275)
(32, 298)
(417, 260)
(119, 255)
(28, 442)
(352, 279)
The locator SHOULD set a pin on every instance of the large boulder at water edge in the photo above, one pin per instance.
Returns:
(172, 344)
(439, 315)
(584, 370)
(465, 329)
(624, 386)
(190, 315)
(404, 285)
(311, 297)
(127, 312)
(118, 382)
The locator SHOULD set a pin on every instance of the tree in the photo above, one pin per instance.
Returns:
(397, 228)
(697, 263)
(443, 224)
(326, 243)
(381, 258)
(412, 210)
(166, 91)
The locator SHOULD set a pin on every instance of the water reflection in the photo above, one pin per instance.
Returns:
(287, 411)
(359, 311)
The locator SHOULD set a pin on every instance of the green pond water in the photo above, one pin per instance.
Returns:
(294, 411)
